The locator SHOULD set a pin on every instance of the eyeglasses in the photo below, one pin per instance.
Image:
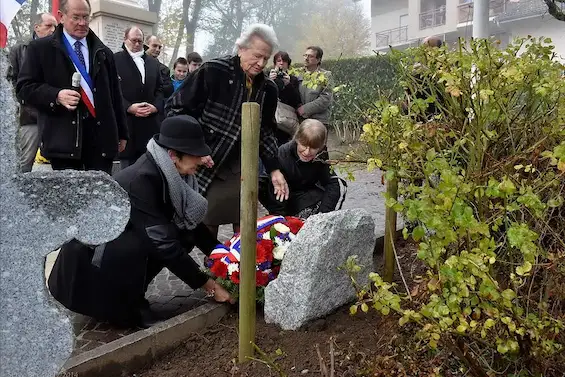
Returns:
(308, 56)
(136, 41)
(86, 19)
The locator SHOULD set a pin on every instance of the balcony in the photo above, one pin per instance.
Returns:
(465, 9)
(432, 18)
(392, 36)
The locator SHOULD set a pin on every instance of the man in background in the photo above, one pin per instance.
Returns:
(142, 94)
(317, 101)
(153, 47)
(194, 61)
(80, 129)
(44, 24)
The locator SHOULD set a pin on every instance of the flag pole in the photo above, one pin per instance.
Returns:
(55, 8)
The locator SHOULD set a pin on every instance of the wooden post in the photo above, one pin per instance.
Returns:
(390, 231)
(250, 126)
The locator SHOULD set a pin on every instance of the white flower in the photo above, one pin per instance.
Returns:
(278, 252)
(281, 228)
(233, 267)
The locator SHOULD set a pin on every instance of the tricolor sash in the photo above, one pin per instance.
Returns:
(86, 85)
(232, 254)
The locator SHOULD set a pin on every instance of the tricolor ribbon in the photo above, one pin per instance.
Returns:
(86, 86)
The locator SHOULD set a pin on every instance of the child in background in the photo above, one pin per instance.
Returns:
(180, 70)
(313, 187)
(194, 61)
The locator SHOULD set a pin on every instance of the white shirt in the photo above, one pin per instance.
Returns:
(83, 48)
(139, 62)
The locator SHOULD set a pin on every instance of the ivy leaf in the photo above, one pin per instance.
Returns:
(418, 233)
(509, 294)
(524, 269)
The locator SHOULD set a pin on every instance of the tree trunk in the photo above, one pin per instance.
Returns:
(182, 23)
(192, 26)
(32, 12)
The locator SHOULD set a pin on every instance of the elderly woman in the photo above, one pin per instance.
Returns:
(214, 95)
(108, 282)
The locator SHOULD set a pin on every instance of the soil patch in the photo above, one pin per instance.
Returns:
(365, 344)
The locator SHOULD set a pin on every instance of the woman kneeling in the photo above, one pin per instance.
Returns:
(108, 282)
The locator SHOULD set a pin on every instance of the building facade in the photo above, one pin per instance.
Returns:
(405, 23)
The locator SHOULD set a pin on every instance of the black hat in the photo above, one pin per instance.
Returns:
(183, 133)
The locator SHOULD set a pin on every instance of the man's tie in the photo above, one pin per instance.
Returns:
(78, 50)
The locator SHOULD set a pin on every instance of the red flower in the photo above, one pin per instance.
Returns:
(265, 251)
(235, 277)
(261, 278)
(294, 224)
(219, 269)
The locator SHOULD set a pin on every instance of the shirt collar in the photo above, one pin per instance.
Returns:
(73, 40)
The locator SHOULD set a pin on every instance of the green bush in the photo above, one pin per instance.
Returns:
(356, 81)
(483, 177)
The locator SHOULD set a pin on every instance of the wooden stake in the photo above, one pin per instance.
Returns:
(250, 126)
(390, 231)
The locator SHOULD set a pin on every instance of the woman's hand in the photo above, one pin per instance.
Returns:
(281, 187)
(218, 292)
(273, 74)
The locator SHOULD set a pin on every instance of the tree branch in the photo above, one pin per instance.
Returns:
(556, 11)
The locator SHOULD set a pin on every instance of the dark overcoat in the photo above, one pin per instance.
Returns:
(114, 290)
(47, 69)
(141, 129)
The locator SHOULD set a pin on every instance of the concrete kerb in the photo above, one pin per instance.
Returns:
(141, 349)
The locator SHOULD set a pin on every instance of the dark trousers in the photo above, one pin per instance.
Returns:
(91, 156)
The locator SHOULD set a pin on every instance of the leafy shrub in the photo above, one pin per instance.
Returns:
(479, 153)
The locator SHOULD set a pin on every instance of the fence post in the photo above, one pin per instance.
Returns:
(250, 126)
(390, 230)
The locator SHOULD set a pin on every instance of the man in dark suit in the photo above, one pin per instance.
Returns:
(84, 129)
(153, 47)
(142, 94)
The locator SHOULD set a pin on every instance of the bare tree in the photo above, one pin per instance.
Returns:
(155, 6)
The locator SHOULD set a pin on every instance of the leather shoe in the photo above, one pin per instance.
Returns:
(147, 318)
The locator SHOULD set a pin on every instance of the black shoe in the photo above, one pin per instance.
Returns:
(147, 318)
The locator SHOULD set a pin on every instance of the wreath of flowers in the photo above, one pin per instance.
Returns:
(274, 235)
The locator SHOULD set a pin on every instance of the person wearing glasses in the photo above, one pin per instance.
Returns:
(80, 129)
(142, 94)
(317, 101)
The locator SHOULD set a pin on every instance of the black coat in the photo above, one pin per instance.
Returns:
(168, 88)
(308, 183)
(289, 94)
(48, 69)
(149, 242)
(134, 91)
(28, 114)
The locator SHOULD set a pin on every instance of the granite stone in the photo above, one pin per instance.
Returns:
(39, 211)
(310, 284)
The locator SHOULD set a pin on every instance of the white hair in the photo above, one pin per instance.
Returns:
(265, 32)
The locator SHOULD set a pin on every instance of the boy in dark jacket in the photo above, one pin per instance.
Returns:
(313, 187)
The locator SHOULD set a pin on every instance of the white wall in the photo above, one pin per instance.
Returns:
(540, 26)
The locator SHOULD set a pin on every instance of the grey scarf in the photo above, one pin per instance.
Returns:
(190, 206)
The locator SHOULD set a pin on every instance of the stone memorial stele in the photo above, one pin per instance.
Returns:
(39, 211)
(310, 284)
(110, 18)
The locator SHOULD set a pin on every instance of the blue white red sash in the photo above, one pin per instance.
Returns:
(86, 86)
